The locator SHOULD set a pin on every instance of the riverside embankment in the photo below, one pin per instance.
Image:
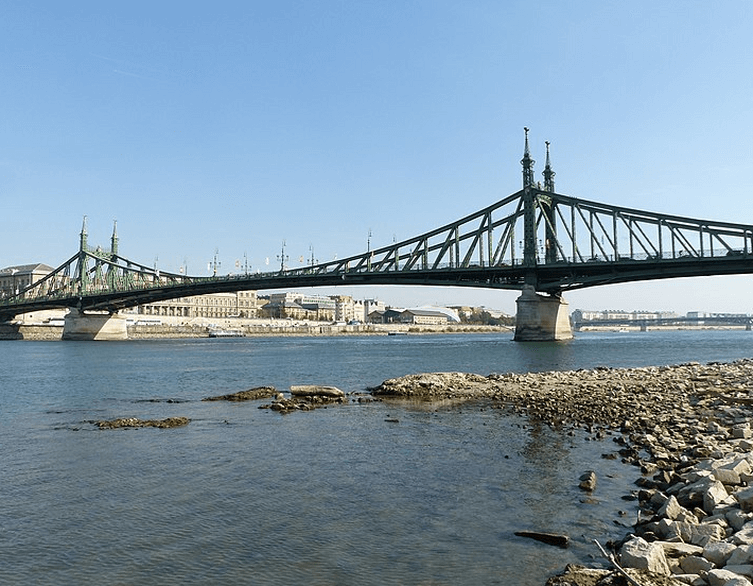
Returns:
(242, 328)
(687, 429)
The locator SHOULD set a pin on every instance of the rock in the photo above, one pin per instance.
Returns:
(638, 553)
(588, 481)
(692, 579)
(249, 395)
(671, 509)
(718, 552)
(737, 519)
(694, 564)
(745, 498)
(742, 569)
(126, 422)
(439, 385)
(742, 555)
(678, 549)
(575, 575)
(705, 533)
(741, 431)
(315, 391)
(726, 476)
(726, 578)
(714, 495)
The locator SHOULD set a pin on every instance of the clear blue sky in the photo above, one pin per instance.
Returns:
(230, 126)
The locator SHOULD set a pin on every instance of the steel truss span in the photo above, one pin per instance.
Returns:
(536, 238)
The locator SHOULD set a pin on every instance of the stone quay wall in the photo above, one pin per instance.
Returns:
(46, 332)
(43, 332)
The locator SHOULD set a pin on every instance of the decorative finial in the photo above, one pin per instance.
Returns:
(83, 237)
(527, 163)
(114, 239)
(548, 173)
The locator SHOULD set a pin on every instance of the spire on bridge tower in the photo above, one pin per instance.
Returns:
(84, 236)
(527, 163)
(548, 173)
(114, 239)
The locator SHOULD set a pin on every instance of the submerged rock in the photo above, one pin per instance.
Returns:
(588, 481)
(306, 398)
(249, 395)
(134, 422)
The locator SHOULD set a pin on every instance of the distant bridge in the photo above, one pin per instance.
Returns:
(745, 321)
(536, 241)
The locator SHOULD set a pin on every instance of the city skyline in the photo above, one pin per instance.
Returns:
(335, 127)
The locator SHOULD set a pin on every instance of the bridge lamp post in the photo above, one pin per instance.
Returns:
(282, 257)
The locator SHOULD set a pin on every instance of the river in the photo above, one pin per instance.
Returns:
(361, 494)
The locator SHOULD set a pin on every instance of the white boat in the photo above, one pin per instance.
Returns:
(225, 334)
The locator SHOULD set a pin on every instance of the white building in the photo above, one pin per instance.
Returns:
(213, 305)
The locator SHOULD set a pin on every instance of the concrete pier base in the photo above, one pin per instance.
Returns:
(541, 318)
(94, 326)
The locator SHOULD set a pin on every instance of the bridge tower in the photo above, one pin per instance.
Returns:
(539, 317)
(81, 325)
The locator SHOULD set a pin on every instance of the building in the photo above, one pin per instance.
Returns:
(15, 279)
(345, 308)
(370, 305)
(424, 317)
(580, 316)
(385, 316)
(299, 306)
(214, 305)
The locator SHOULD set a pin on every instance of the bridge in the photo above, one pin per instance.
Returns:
(644, 323)
(536, 241)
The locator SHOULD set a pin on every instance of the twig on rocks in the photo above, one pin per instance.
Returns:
(617, 566)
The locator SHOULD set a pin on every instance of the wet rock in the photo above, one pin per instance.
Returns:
(588, 481)
(249, 395)
(302, 403)
(133, 422)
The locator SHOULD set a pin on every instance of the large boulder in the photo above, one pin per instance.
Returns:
(726, 578)
(640, 554)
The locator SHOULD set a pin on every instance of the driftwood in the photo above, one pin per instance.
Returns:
(548, 538)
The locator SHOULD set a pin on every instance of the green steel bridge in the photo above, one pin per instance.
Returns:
(535, 239)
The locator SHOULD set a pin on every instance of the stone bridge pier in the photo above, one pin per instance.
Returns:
(82, 325)
(542, 318)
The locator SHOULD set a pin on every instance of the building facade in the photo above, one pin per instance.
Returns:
(214, 305)
(15, 279)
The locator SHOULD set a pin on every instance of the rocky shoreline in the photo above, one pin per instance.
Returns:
(688, 430)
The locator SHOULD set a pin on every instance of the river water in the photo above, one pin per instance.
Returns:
(367, 493)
